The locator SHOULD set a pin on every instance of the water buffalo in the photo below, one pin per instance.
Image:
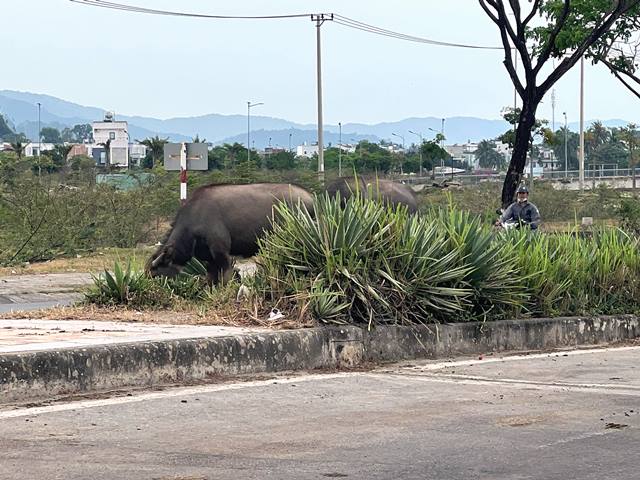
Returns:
(219, 221)
(386, 190)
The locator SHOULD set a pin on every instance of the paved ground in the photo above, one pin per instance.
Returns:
(30, 335)
(552, 416)
(28, 292)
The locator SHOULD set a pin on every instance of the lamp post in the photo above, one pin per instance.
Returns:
(402, 161)
(39, 131)
(566, 162)
(340, 151)
(419, 148)
(289, 143)
(249, 105)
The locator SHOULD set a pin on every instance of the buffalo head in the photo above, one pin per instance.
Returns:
(162, 262)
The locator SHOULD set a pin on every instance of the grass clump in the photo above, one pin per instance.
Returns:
(366, 264)
(135, 289)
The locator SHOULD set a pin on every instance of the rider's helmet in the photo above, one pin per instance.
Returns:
(522, 194)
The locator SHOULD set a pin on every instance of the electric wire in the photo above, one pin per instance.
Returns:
(338, 19)
(152, 11)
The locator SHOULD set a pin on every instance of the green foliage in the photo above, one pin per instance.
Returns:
(80, 133)
(135, 289)
(488, 157)
(50, 135)
(629, 213)
(368, 264)
(155, 149)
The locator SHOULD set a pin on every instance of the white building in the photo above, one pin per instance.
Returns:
(137, 152)
(307, 150)
(32, 149)
(116, 136)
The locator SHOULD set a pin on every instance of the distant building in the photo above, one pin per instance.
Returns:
(464, 154)
(34, 149)
(116, 136)
(137, 152)
(79, 149)
(307, 151)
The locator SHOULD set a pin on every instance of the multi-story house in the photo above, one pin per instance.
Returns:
(112, 135)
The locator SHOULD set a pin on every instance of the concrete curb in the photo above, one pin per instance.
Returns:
(46, 374)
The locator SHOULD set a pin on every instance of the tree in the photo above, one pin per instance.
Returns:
(488, 157)
(629, 135)
(50, 135)
(155, 145)
(18, 147)
(433, 154)
(557, 142)
(80, 133)
(565, 30)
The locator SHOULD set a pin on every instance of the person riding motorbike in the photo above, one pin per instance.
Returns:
(521, 212)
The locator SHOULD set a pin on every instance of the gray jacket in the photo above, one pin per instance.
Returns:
(525, 212)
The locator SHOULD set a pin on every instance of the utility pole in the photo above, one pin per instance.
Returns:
(249, 105)
(39, 142)
(442, 146)
(553, 110)
(320, 18)
(39, 135)
(582, 124)
(402, 161)
(340, 152)
(566, 149)
(419, 148)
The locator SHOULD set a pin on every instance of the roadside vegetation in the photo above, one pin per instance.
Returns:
(366, 264)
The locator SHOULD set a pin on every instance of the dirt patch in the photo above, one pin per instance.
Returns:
(92, 262)
(520, 421)
(238, 317)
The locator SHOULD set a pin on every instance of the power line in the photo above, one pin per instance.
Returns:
(351, 23)
(152, 11)
(339, 19)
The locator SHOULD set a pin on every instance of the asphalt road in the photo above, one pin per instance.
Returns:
(537, 417)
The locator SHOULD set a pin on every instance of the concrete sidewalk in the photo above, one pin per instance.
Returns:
(40, 360)
(20, 336)
(30, 292)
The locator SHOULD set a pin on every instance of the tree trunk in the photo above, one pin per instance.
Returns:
(520, 149)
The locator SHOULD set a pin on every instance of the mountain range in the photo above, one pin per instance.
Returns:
(21, 111)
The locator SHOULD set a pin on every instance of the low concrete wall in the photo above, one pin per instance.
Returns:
(47, 374)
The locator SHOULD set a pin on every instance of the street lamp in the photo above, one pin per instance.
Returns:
(402, 161)
(419, 149)
(565, 145)
(249, 105)
(39, 131)
(289, 143)
(340, 151)
(442, 158)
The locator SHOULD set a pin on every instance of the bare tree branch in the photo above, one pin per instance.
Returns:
(546, 52)
(534, 11)
(593, 37)
(508, 61)
(612, 68)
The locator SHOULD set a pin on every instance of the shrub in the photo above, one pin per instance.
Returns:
(629, 214)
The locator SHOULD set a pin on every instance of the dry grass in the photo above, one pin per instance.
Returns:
(235, 315)
(93, 262)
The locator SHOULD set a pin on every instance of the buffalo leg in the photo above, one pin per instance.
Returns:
(221, 268)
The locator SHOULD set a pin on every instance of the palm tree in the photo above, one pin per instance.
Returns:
(156, 147)
(18, 147)
(487, 156)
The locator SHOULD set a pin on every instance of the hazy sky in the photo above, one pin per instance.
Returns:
(165, 66)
